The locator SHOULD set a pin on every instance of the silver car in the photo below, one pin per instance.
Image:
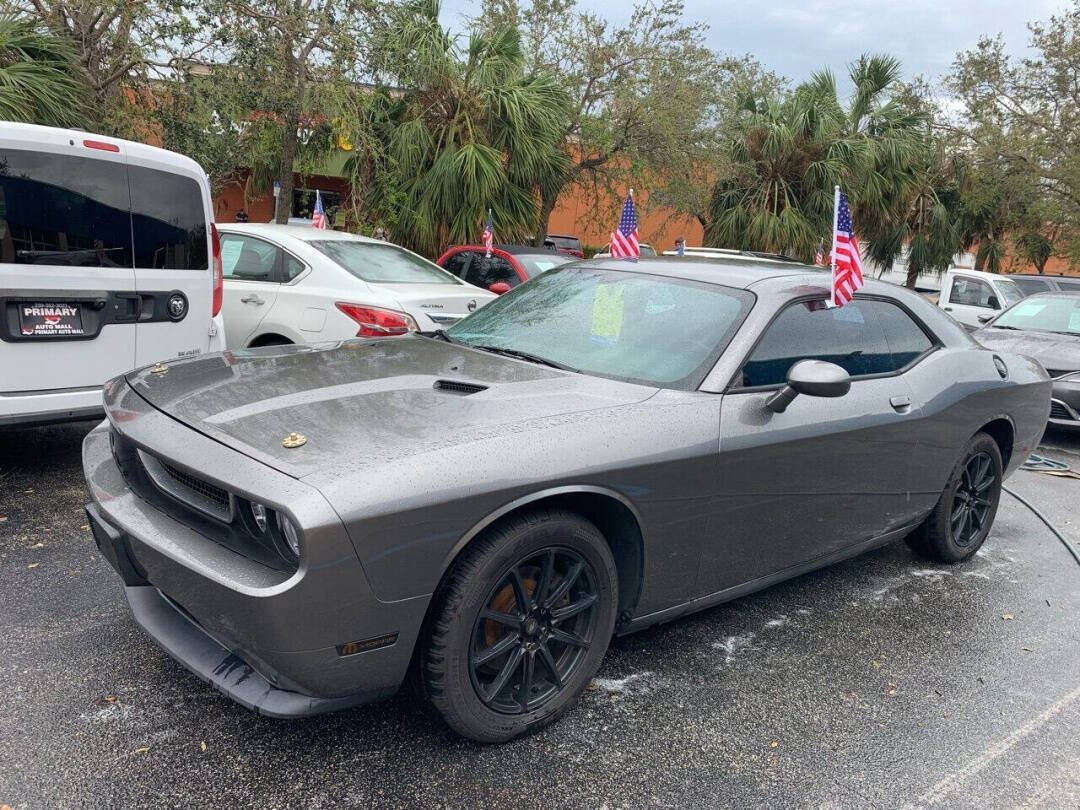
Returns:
(608, 446)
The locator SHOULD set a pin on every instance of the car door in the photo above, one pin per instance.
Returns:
(968, 298)
(67, 288)
(827, 473)
(251, 267)
(487, 270)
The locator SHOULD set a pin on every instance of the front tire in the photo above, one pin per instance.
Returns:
(961, 521)
(520, 626)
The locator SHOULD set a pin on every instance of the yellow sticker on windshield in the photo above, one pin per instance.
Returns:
(607, 314)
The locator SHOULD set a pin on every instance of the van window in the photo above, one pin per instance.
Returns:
(63, 210)
(168, 220)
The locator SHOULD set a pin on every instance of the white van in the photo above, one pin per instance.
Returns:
(973, 297)
(109, 260)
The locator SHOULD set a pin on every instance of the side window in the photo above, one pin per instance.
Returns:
(291, 268)
(247, 259)
(1032, 285)
(907, 341)
(63, 210)
(458, 263)
(168, 220)
(487, 270)
(850, 336)
(972, 292)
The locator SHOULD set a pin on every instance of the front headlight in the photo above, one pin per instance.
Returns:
(288, 532)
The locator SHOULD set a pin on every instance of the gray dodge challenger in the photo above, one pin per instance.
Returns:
(477, 511)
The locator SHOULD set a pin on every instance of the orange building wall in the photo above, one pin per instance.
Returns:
(578, 215)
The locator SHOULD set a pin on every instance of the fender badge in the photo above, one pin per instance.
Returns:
(294, 440)
(158, 368)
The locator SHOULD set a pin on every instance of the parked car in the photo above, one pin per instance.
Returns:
(647, 251)
(290, 284)
(605, 448)
(967, 294)
(1046, 327)
(570, 245)
(505, 268)
(108, 260)
(1032, 283)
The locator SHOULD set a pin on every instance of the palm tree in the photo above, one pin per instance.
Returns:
(792, 151)
(40, 79)
(471, 132)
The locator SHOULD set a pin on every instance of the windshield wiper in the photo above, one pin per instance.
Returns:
(1013, 328)
(441, 335)
(520, 355)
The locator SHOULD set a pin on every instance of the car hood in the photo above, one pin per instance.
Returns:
(361, 403)
(1054, 352)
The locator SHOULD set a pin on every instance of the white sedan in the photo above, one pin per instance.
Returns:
(295, 284)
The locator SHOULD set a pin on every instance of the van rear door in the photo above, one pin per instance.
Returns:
(67, 287)
(170, 223)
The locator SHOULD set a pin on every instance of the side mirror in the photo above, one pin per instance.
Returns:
(993, 302)
(985, 318)
(814, 378)
(499, 287)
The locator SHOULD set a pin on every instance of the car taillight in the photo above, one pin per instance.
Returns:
(219, 273)
(375, 322)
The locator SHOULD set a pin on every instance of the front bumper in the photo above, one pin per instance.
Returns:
(271, 640)
(1065, 404)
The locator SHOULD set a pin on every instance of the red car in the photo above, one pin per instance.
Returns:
(506, 267)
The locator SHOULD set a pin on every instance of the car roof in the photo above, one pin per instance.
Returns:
(741, 271)
(514, 250)
(303, 232)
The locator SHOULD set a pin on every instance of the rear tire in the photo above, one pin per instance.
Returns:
(550, 580)
(964, 514)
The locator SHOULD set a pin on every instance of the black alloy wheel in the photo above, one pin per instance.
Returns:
(973, 499)
(534, 631)
(519, 625)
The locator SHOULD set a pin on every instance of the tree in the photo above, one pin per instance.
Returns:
(287, 65)
(468, 131)
(640, 93)
(1035, 248)
(793, 149)
(1025, 113)
(40, 81)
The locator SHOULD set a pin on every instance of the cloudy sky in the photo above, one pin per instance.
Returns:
(795, 38)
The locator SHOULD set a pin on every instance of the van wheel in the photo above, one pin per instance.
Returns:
(521, 625)
(960, 522)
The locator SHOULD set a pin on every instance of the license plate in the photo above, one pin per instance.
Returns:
(50, 319)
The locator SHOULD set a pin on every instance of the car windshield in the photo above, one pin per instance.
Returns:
(1044, 313)
(382, 263)
(537, 263)
(1011, 291)
(625, 325)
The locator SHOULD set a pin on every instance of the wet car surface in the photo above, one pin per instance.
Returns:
(878, 681)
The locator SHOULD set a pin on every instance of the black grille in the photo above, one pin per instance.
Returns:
(1058, 411)
(456, 387)
(209, 491)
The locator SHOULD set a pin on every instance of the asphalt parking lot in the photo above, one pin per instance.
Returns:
(884, 681)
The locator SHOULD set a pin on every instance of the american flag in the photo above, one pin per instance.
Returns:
(318, 216)
(489, 236)
(819, 257)
(624, 239)
(846, 262)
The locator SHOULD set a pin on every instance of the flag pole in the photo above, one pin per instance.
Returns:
(832, 250)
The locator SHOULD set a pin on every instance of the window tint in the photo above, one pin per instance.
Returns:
(457, 263)
(971, 292)
(377, 262)
(61, 209)
(1069, 283)
(863, 337)
(168, 220)
(247, 259)
(291, 268)
(487, 270)
(1032, 285)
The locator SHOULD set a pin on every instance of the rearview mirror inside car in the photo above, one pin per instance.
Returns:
(814, 378)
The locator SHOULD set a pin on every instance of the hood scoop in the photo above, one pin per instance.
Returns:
(462, 389)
